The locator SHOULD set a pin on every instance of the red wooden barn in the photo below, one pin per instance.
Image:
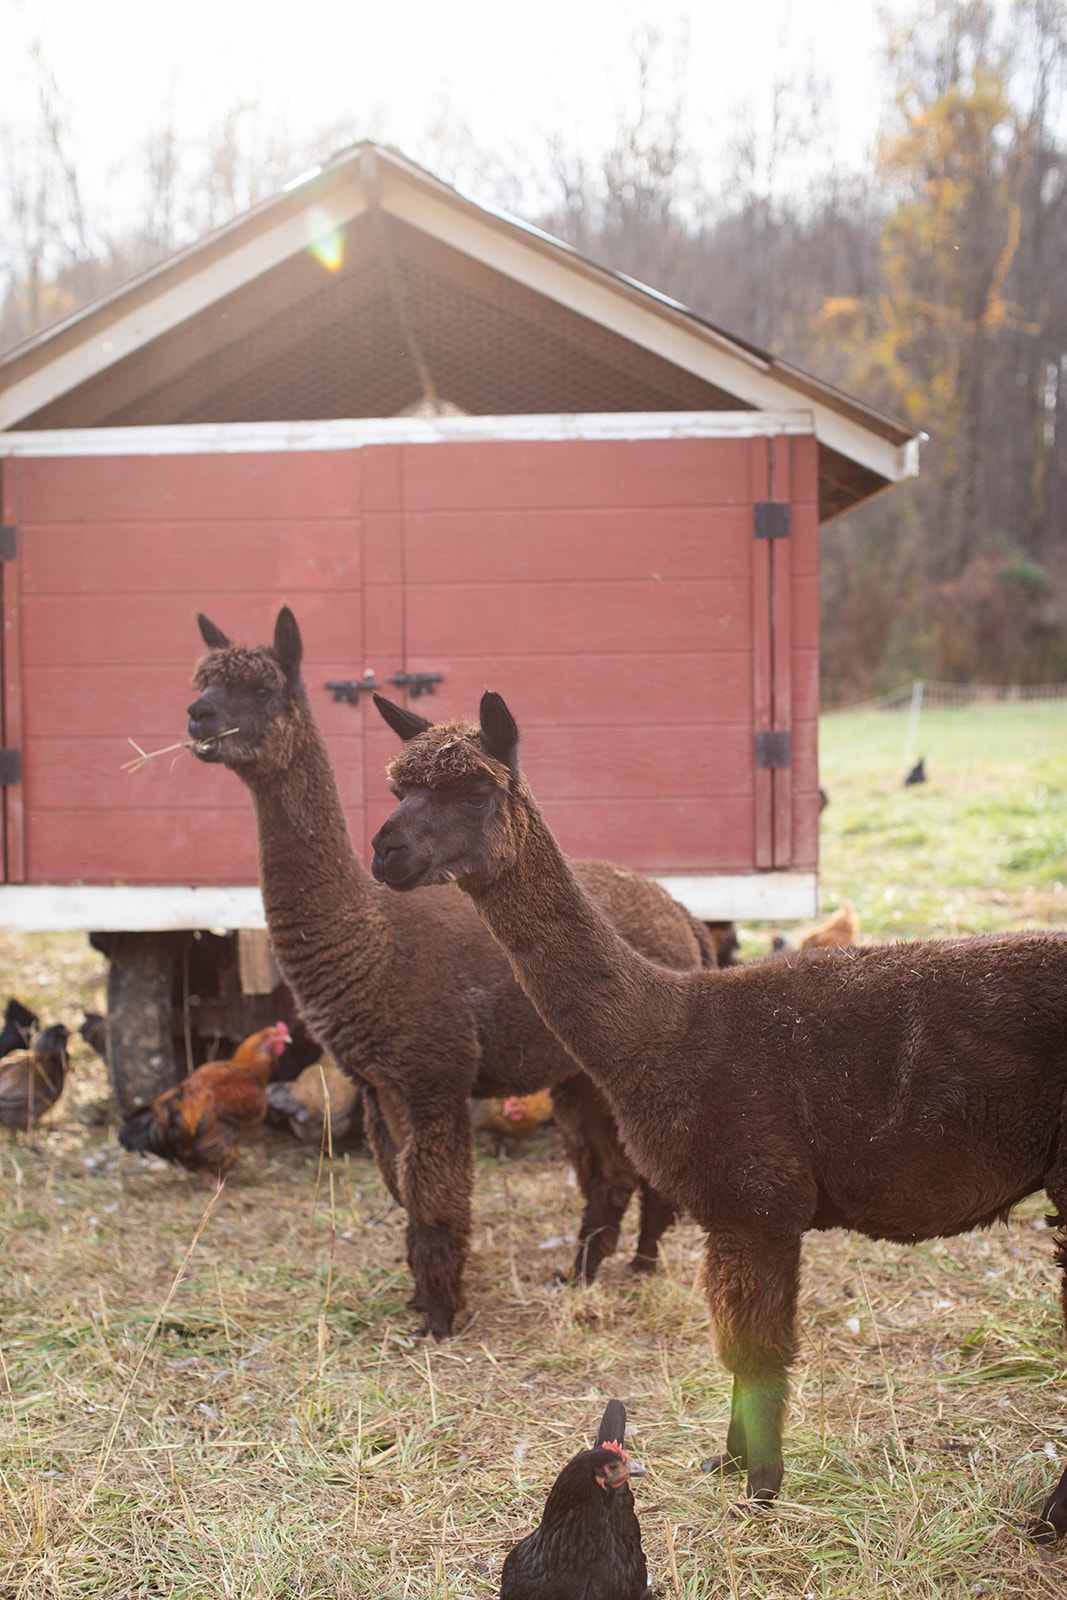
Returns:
(467, 457)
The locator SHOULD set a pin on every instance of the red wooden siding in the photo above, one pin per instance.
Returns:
(604, 589)
(612, 591)
(116, 556)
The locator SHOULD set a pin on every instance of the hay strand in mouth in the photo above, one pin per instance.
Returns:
(143, 756)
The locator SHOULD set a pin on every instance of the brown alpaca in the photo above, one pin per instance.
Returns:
(414, 999)
(908, 1091)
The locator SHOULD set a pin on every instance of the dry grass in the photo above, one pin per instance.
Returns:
(261, 1425)
(282, 1435)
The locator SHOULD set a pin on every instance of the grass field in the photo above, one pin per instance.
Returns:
(266, 1428)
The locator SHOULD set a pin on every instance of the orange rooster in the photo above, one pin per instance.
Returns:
(199, 1122)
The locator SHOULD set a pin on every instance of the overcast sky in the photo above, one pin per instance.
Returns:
(511, 72)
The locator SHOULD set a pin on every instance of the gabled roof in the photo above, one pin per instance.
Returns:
(368, 286)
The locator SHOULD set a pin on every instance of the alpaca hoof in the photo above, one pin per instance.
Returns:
(762, 1487)
(1052, 1522)
(644, 1266)
(724, 1463)
(1041, 1532)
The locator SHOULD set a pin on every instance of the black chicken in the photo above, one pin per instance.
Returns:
(94, 1031)
(19, 1026)
(588, 1546)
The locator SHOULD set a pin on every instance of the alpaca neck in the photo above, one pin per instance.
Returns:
(606, 1003)
(312, 883)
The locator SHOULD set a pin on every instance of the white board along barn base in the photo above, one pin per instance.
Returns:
(44, 908)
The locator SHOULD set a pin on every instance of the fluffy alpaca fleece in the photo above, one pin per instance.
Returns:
(413, 998)
(909, 1092)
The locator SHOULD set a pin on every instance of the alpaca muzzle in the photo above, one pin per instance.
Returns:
(205, 723)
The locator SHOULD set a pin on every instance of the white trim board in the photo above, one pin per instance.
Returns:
(46, 908)
(211, 438)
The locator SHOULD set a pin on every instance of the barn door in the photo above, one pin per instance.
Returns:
(116, 556)
(603, 588)
(785, 619)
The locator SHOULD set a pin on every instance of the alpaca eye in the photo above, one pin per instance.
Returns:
(476, 802)
(263, 693)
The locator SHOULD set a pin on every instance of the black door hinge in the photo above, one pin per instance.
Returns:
(771, 519)
(417, 683)
(774, 749)
(10, 767)
(8, 541)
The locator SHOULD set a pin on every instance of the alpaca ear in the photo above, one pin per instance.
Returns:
(500, 735)
(212, 636)
(408, 724)
(612, 1424)
(288, 645)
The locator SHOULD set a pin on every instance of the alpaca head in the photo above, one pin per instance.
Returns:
(256, 693)
(458, 817)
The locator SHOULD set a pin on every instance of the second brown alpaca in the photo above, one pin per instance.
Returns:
(909, 1091)
(414, 999)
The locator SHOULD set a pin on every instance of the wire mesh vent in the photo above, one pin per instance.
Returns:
(302, 342)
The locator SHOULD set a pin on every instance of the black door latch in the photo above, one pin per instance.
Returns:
(417, 683)
(346, 691)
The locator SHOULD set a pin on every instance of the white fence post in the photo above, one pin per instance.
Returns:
(914, 712)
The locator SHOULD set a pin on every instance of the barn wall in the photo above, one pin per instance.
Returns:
(607, 588)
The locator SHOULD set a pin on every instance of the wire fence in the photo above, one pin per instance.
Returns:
(937, 696)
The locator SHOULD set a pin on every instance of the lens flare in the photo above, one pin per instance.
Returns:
(326, 240)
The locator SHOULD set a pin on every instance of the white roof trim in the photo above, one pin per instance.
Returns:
(39, 908)
(181, 300)
(210, 438)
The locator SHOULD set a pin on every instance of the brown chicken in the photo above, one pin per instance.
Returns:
(843, 928)
(199, 1123)
(31, 1083)
(300, 1104)
(512, 1120)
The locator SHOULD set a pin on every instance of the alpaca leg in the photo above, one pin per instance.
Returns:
(382, 1144)
(383, 1147)
(657, 1214)
(752, 1284)
(1053, 1519)
(435, 1172)
(735, 1457)
(605, 1176)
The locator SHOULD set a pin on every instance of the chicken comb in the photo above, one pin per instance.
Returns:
(613, 1444)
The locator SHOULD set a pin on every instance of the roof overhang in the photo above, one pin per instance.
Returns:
(46, 367)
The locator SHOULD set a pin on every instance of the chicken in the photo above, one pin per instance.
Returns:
(32, 1083)
(19, 1027)
(843, 928)
(513, 1119)
(199, 1122)
(588, 1545)
(300, 1103)
(94, 1031)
